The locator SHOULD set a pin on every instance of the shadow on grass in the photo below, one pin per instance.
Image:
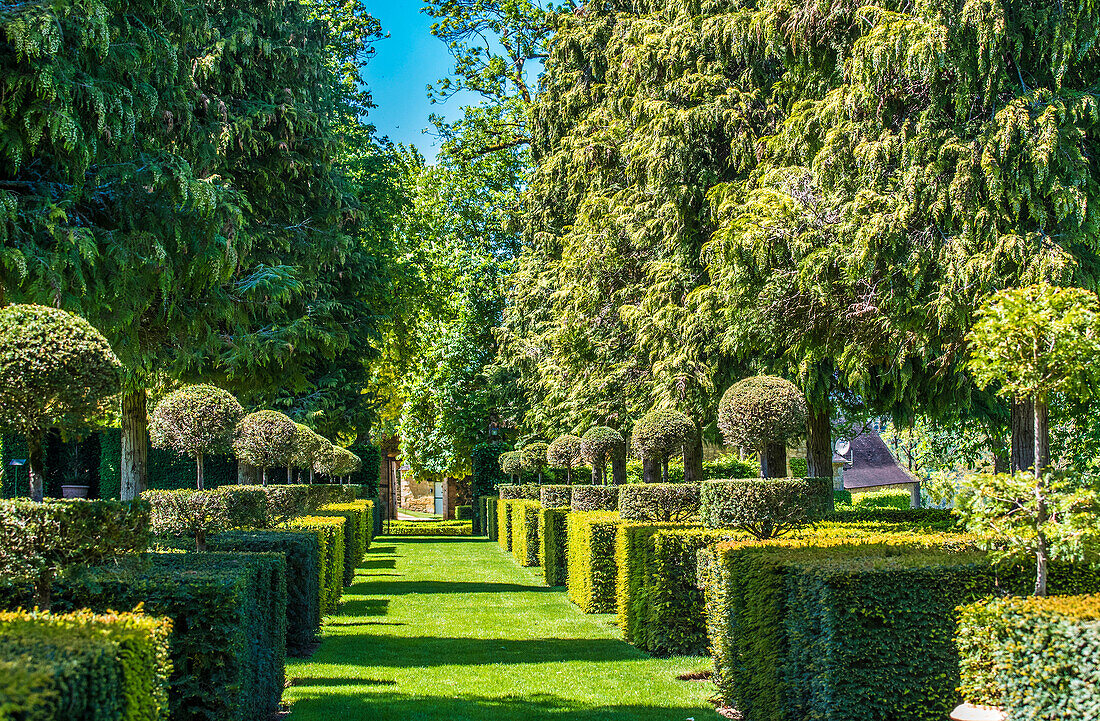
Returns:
(437, 539)
(381, 549)
(364, 607)
(524, 706)
(306, 682)
(367, 623)
(380, 563)
(427, 651)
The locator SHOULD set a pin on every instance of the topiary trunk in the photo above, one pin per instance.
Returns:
(36, 466)
(651, 470)
(618, 469)
(135, 444)
(773, 461)
(819, 444)
(693, 458)
(199, 471)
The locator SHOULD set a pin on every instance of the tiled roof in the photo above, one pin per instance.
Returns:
(873, 464)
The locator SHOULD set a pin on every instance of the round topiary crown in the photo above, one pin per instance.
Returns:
(761, 410)
(511, 463)
(660, 433)
(265, 439)
(601, 443)
(533, 455)
(564, 452)
(196, 419)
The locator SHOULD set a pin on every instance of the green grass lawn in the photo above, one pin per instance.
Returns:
(450, 628)
(420, 514)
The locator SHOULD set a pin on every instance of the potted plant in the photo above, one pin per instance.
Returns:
(74, 486)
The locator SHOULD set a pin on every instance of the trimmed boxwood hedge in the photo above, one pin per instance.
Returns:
(228, 611)
(513, 491)
(553, 553)
(431, 528)
(504, 523)
(788, 624)
(659, 502)
(357, 532)
(464, 513)
(765, 507)
(525, 532)
(490, 517)
(301, 549)
(927, 519)
(592, 573)
(329, 531)
(595, 498)
(555, 496)
(83, 666)
(1037, 658)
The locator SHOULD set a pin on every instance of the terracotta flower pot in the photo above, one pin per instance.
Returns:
(970, 712)
(74, 491)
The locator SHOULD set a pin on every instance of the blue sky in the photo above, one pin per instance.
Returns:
(399, 73)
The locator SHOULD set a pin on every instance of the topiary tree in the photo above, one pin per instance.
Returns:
(55, 370)
(511, 463)
(762, 414)
(658, 435)
(265, 439)
(533, 457)
(344, 463)
(195, 421)
(198, 514)
(564, 452)
(600, 445)
(324, 462)
(307, 444)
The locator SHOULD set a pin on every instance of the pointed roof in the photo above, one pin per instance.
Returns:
(873, 464)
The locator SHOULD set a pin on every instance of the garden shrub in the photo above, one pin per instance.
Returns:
(599, 446)
(504, 523)
(1037, 658)
(592, 574)
(762, 414)
(659, 502)
(659, 434)
(196, 421)
(841, 497)
(594, 498)
(925, 519)
(303, 577)
(525, 532)
(246, 506)
(320, 494)
(357, 532)
(38, 541)
(765, 507)
(526, 491)
(265, 439)
(329, 531)
(659, 603)
(883, 498)
(464, 513)
(800, 468)
(553, 552)
(187, 512)
(228, 611)
(556, 496)
(490, 516)
(789, 624)
(431, 528)
(83, 666)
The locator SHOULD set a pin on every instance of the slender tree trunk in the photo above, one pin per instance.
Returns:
(263, 476)
(199, 475)
(651, 470)
(569, 475)
(618, 469)
(819, 443)
(135, 444)
(773, 461)
(1023, 435)
(43, 590)
(598, 470)
(311, 475)
(200, 541)
(693, 458)
(289, 480)
(36, 467)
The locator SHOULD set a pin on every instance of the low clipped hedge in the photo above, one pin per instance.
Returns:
(431, 528)
(555, 496)
(246, 506)
(765, 507)
(464, 513)
(329, 531)
(504, 523)
(83, 666)
(519, 491)
(303, 580)
(660, 607)
(357, 532)
(592, 574)
(1037, 658)
(594, 498)
(553, 551)
(926, 519)
(659, 502)
(525, 532)
(789, 623)
(490, 517)
(228, 611)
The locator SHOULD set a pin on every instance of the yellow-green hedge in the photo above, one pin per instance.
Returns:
(553, 555)
(330, 538)
(431, 528)
(504, 523)
(84, 666)
(489, 520)
(525, 532)
(357, 532)
(592, 571)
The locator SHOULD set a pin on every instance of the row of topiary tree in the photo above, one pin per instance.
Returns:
(761, 414)
(57, 371)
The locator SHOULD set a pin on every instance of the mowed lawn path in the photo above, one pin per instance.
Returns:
(438, 628)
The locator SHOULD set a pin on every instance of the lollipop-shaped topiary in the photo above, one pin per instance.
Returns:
(600, 445)
(265, 439)
(307, 445)
(565, 452)
(658, 435)
(534, 457)
(511, 464)
(763, 414)
(196, 421)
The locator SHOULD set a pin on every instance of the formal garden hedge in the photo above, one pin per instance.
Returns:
(525, 532)
(83, 665)
(464, 513)
(489, 513)
(1037, 658)
(555, 496)
(765, 507)
(504, 523)
(592, 574)
(660, 502)
(594, 498)
(430, 528)
(526, 491)
(329, 531)
(553, 550)
(357, 532)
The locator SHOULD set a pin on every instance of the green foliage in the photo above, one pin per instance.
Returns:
(504, 522)
(357, 531)
(195, 421)
(83, 665)
(246, 506)
(661, 433)
(431, 528)
(553, 553)
(765, 508)
(166, 469)
(39, 541)
(555, 496)
(927, 520)
(761, 410)
(492, 517)
(599, 445)
(659, 502)
(883, 498)
(511, 463)
(308, 447)
(368, 476)
(486, 473)
(303, 577)
(525, 532)
(1035, 658)
(228, 614)
(595, 498)
(799, 467)
(533, 457)
(564, 452)
(329, 531)
(592, 571)
(265, 439)
(464, 513)
(197, 514)
(529, 491)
